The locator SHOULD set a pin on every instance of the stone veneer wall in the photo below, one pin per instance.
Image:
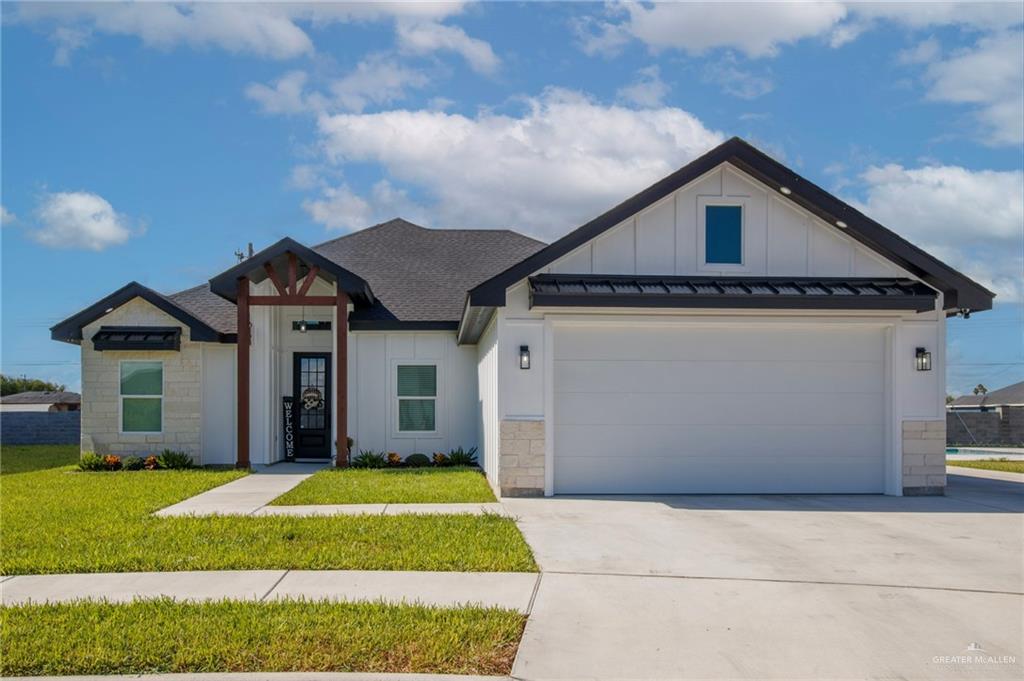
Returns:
(101, 389)
(924, 458)
(521, 459)
(1002, 427)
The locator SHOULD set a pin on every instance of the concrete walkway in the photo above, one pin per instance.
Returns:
(382, 509)
(511, 590)
(245, 495)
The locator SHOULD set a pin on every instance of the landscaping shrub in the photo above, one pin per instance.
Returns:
(461, 457)
(90, 462)
(112, 462)
(417, 460)
(369, 459)
(441, 459)
(394, 459)
(151, 463)
(172, 460)
(132, 463)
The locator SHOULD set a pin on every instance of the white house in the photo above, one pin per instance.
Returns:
(731, 329)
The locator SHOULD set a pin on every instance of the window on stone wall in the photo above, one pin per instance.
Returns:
(417, 398)
(142, 396)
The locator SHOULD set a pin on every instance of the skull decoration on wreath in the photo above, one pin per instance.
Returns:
(312, 398)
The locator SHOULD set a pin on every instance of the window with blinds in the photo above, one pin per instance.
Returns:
(417, 398)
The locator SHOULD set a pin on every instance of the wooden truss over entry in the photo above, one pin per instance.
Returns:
(300, 266)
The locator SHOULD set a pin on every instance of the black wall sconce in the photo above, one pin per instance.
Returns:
(923, 360)
(524, 356)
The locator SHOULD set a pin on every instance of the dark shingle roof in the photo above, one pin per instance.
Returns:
(208, 307)
(420, 274)
(416, 274)
(1011, 394)
(42, 397)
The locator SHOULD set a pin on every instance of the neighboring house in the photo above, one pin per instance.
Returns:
(1012, 396)
(995, 418)
(731, 329)
(41, 400)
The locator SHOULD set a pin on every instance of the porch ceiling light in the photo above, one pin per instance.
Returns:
(922, 360)
(303, 326)
(524, 356)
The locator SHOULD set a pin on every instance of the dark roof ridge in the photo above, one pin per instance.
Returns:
(402, 220)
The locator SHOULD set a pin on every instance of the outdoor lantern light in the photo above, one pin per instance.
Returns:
(524, 356)
(923, 360)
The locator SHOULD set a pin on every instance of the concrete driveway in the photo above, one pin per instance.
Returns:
(781, 587)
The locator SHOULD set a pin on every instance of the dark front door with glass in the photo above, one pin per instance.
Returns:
(312, 404)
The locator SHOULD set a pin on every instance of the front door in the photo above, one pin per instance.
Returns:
(312, 399)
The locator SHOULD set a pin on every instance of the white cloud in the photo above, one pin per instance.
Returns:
(924, 52)
(304, 177)
(340, 208)
(979, 16)
(79, 220)
(971, 219)
(378, 79)
(430, 36)
(6, 216)
(375, 80)
(269, 30)
(647, 90)
(756, 29)
(735, 81)
(564, 159)
(284, 96)
(991, 76)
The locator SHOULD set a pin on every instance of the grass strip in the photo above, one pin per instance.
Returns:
(1004, 465)
(154, 636)
(390, 486)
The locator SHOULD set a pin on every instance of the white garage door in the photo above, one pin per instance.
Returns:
(722, 409)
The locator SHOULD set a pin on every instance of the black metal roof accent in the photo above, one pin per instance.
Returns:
(137, 338)
(596, 290)
(225, 284)
(959, 291)
(70, 330)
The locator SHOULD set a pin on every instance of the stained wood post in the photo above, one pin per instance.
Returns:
(341, 384)
(242, 374)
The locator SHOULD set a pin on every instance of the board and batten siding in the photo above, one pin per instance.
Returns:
(489, 427)
(779, 238)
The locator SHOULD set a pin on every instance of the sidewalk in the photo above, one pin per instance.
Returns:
(510, 590)
(245, 495)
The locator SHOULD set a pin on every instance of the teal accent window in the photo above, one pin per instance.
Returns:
(723, 235)
(417, 398)
(142, 397)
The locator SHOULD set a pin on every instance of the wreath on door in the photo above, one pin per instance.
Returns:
(312, 398)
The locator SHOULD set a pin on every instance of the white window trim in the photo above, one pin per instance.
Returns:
(438, 404)
(702, 214)
(121, 397)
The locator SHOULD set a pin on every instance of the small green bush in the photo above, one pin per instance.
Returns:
(132, 463)
(171, 460)
(461, 457)
(91, 461)
(369, 459)
(417, 460)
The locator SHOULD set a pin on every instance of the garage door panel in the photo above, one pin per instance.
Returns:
(652, 376)
(632, 442)
(809, 343)
(581, 408)
(751, 475)
(724, 409)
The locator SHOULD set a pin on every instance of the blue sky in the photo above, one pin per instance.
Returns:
(150, 142)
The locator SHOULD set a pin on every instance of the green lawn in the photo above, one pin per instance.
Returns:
(233, 636)
(56, 520)
(390, 486)
(991, 465)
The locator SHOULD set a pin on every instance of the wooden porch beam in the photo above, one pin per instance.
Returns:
(274, 278)
(310, 278)
(293, 272)
(341, 384)
(291, 300)
(242, 373)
